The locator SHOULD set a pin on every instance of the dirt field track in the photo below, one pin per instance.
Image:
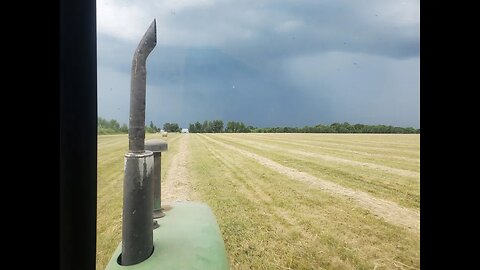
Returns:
(286, 201)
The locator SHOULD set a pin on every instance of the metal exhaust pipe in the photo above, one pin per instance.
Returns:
(157, 147)
(136, 128)
(137, 225)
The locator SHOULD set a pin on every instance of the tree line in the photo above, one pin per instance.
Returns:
(216, 126)
(112, 126)
(171, 127)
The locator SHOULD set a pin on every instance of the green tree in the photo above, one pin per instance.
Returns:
(102, 123)
(230, 127)
(171, 127)
(176, 128)
(217, 126)
(113, 124)
(124, 128)
(198, 127)
(206, 127)
(167, 127)
(154, 127)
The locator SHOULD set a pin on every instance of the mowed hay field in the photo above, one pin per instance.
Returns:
(286, 201)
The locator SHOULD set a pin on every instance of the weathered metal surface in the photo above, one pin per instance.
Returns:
(137, 221)
(136, 128)
(188, 238)
(137, 227)
(157, 147)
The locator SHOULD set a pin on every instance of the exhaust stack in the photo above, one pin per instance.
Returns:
(136, 128)
(137, 223)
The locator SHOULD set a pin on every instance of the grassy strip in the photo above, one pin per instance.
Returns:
(392, 159)
(402, 190)
(271, 222)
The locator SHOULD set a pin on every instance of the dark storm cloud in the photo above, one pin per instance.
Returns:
(265, 62)
(275, 29)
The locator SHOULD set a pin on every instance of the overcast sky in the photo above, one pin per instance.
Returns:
(264, 62)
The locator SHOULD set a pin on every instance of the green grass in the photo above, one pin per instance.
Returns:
(400, 189)
(269, 221)
(377, 153)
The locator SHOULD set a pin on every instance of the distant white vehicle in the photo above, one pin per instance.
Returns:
(184, 130)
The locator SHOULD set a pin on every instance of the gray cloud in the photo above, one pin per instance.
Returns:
(265, 62)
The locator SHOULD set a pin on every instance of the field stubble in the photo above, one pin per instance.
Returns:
(269, 220)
